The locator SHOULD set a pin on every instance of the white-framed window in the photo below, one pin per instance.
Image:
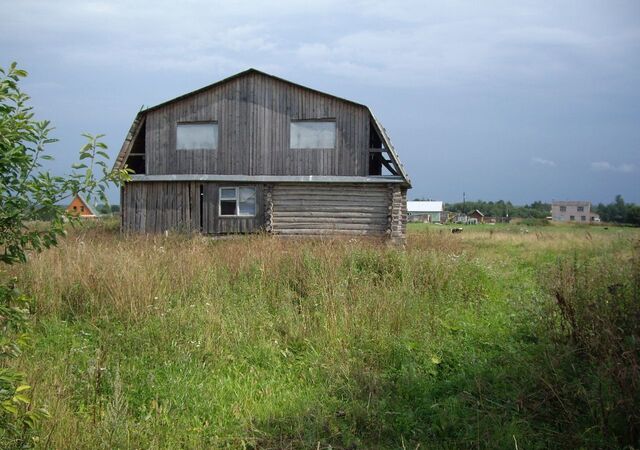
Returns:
(197, 136)
(237, 202)
(316, 134)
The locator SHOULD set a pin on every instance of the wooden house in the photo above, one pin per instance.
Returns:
(477, 215)
(80, 207)
(256, 152)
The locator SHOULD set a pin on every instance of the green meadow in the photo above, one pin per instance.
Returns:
(504, 336)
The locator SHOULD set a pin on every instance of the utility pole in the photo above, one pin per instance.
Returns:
(464, 203)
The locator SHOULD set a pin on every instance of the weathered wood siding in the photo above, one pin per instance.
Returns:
(156, 207)
(306, 209)
(254, 113)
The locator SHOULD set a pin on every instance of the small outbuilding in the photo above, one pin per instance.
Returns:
(80, 207)
(477, 215)
(425, 211)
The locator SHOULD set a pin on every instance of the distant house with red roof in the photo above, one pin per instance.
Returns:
(80, 207)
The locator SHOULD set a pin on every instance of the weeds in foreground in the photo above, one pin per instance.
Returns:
(187, 342)
(598, 306)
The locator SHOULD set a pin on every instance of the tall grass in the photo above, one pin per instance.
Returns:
(598, 309)
(256, 342)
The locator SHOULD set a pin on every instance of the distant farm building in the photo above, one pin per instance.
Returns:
(425, 211)
(477, 215)
(255, 152)
(573, 211)
(80, 207)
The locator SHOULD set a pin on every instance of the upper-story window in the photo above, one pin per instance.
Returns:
(580, 208)
(197, 136)
(313, 134)
(563, 209)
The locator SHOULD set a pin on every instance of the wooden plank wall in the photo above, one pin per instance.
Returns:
(253, 113)
(156, 207)
(356, 209)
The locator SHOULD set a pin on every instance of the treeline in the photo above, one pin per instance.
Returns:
(108, 209)
(536, 210)
(619, 212)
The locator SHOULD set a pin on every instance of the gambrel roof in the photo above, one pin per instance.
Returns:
(141, 116)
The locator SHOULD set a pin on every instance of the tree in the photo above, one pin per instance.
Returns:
(619, 211)
(27, 193)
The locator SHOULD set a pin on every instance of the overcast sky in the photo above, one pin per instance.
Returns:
(511, 100)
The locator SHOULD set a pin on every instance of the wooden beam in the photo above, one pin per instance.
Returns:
(389, 146)
(389, 166)
(134, 131)
(271, 178)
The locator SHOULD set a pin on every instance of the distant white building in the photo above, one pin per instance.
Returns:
(573, 211)
(425, 211)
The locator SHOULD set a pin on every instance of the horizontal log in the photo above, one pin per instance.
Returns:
(309, 205)
(366, 190)
(336, 197)
(329, 220)
(329, 226)
(321, 214)
(329, 232)
(329, 208)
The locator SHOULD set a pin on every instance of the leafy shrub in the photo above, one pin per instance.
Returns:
(17, 418)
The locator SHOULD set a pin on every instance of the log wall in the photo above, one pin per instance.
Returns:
(301, 209)
(282, 209)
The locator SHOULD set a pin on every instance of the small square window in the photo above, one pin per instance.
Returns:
(563, 209)
(237, 201)
(572, 217)
(580, 208)
(583, 218)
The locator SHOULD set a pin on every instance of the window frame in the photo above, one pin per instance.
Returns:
(580, 209)
(237, 200)
(324, 120)
(198, 122)
(563, 208)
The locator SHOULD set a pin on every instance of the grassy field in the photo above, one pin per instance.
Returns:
(503, 336)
